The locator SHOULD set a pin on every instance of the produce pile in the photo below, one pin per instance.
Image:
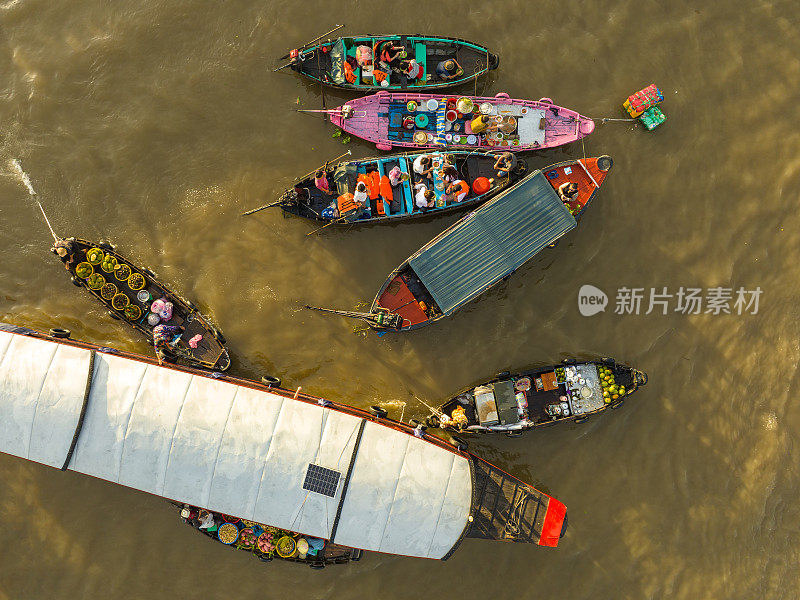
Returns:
(122, 272)
(95, 256)
(84, 270)
(108, 291)
(109, 263)
(228, 533)
(95, 281)
(611, 391)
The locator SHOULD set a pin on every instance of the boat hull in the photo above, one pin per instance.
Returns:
(317, 62)
(380, 118)
(305, 200)
(537, 391)
(210, 352)
(405, 294)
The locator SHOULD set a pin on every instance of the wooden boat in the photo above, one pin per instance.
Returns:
(385, 119)
(260, 540)
(325, 62)
(488, 244)
(305, 200)
(275, 457)
(538, 397)
(119, 291)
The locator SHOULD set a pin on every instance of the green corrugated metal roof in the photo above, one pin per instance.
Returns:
(496, 239)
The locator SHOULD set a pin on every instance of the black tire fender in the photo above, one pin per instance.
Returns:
(379, 412)
(433, 421)
(148, 272)
(60, 333)
(579, 420)
(416, 424)
(317, 565)
(271, 381)
(106, 245)
(75, 281)
(113, 315)
(460, 444)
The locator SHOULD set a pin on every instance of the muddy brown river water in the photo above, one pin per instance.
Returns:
(155, 124)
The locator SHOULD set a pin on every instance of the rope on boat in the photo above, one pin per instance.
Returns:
(609, 119)
(27, 181)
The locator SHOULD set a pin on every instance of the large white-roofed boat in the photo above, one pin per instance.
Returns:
(265, 455)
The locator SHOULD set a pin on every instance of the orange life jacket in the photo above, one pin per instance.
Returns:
(349, 75)
(346, 204)
(378, 75)
(386, 194)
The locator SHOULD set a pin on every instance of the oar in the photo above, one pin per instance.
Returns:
(282, 67)
(255, 210)
(27, 181)
(339, 220)
(337, 28)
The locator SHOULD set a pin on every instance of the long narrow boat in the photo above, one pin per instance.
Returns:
(411, 120)
(391, 204)
(489, 244)
(538, 397)
(282, 459)
(325, 62)
(128, 291)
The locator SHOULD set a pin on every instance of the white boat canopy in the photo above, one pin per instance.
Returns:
(231, 449)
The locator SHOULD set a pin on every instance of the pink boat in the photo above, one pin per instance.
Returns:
(435, 120)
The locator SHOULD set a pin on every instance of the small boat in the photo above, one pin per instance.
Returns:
(128, 291)
(247, 451)
(390, 204)
(265, 542)
(335, 62)
(515, 403)
(488, 244)
(401, 119)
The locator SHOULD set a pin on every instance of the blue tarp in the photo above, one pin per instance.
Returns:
(490, 243)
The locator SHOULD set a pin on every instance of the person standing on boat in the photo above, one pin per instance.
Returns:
(423, 197)
(423, 166)
(505, 163)
(448, 69)
(164, 339)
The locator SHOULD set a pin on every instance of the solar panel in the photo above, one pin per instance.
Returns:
(321, 480)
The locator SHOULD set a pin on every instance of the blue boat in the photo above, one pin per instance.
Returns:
(396, 203)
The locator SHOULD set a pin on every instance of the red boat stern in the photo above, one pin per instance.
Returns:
(555, 523)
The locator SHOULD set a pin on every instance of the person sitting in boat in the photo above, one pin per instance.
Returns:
(67, 251)
(448, 69)
(165, 337)
(321, 182)
(483, 124)
(423, 166)
(423, 197)
(449, 173)
(459, 418)
(505, 163)
(457, 190)
(567, 191)
(386, 52)
(207, 521)
(410, 68)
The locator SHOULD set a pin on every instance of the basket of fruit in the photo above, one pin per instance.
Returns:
(264, 543)
(133, 312)
(247, 538)
(84, 270)
(611, 391)
(108, 291)
(109, 263)
(122, 272)
(230, 519)
(228, 533)
(120, 301)
(95, 256)
(136, 281)
(96, 281)
(286, 546)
